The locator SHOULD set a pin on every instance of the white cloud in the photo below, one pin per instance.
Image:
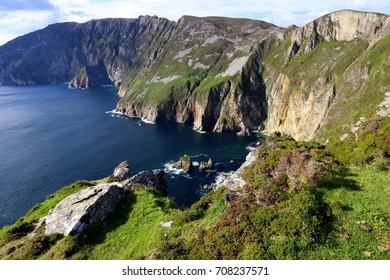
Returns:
(280, 12)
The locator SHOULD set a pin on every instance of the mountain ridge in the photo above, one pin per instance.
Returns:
(214, 73)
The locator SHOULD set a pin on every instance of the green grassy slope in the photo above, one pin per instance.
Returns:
(302, 200)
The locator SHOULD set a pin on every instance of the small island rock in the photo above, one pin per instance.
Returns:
(185, 163)
(204, 166)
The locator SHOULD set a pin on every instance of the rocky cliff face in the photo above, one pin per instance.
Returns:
(56, 53)
(90, 76)
(204, 76)
(326, 75)
(219, 74)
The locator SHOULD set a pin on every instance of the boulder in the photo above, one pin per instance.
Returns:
(122, 171)
(204, 166)
(185, 163)
(77, 212)
(152, 179)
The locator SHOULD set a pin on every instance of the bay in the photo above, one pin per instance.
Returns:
(51, 136)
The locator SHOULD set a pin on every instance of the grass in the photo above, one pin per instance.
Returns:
(370, 203)
(300, 202)
(132, 231)
(41, 210)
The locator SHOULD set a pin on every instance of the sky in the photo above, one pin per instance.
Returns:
(19, 17)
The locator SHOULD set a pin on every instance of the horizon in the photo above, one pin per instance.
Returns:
(18, 18)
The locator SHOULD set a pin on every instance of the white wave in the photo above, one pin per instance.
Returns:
(250, 148)
(199, 131)
(222, 176)
(115, 112)
(120, 114)
(195, 163)
(168, 168)
(200, 155)
(146, 121)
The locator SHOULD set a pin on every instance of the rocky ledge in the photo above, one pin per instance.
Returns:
(234, 181)
(80, 210)
(89, 206)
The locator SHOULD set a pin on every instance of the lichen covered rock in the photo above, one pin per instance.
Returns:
(79, 211)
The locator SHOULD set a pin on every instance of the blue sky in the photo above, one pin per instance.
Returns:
(18, 17)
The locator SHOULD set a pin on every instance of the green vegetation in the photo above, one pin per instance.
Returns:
(372, 146)
(303, 200)
(11, 236)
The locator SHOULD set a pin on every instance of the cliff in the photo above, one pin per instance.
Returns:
(219, 74)
(55, 54)
(326, 75)
(90, 76)
(204, 76)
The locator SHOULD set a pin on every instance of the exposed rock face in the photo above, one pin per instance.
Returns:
(222, 89)
(204, 166)
(122, 171)
(299, 114)
(185, 163)
(322, 72)
(89, 206)
(90, 76)
(345, 25)
(217, 74)
(234, 181)
(79, 211)
(55, 54)
(384, 107)
(152, 179)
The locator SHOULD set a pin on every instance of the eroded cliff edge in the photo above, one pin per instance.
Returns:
(220, 74)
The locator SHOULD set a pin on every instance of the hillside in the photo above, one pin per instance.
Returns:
(301, 201)
(219, 74)
(317, 189)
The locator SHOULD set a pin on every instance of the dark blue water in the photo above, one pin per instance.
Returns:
(51, 136)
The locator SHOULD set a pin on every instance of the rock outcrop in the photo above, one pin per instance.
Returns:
(90, 76)
(184, 163)
(384, 107)
(122, 171)
(79, 211)
(153, 179)
(204, 166)
(90, 206)
(235, 181)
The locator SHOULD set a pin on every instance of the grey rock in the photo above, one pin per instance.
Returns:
(184, 163)
(345, 136)
(79, 211)
(152, 179)
(167, 224)
(204, 166)
(122, 171)
(384, 107)
(235, 180)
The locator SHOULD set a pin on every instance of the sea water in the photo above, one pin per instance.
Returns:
(51, 136)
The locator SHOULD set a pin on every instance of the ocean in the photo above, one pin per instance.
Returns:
(51, 136)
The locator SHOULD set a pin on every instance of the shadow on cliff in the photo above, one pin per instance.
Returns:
(253, 85)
